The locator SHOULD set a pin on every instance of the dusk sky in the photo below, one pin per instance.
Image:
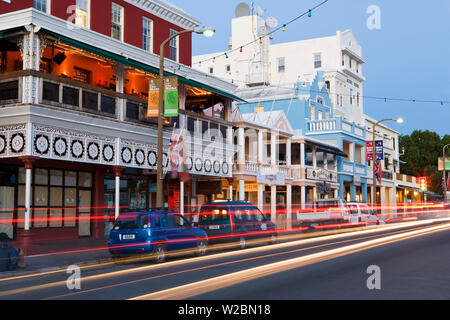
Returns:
(408, 58)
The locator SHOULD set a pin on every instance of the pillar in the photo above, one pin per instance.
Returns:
(260, 147)
(98, 226)
(182, 198)
(28, 162)
(273, 148)
(288, 151)
(288, 206)
(241, 148)
(117, 173)
(273, 203)
(325, 161)
(302, 155)
(364, 192)
(352, 192)
(314, 157)
(230, 189)
(241, 190)
(303, 196)
(261, 197)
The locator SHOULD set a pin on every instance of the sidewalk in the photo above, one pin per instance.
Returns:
(54, 255)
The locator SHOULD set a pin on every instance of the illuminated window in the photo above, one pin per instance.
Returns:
(173, 47)
(147, 34)
(82, 13)
(40, 5)
(117, 22)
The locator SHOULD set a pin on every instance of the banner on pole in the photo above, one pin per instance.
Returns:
(369, 150)
(153, 98)
(171, 103)
(379, 152)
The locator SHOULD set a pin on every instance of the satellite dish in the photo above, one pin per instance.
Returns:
(242, 10)
(258, 11)
(271, 23)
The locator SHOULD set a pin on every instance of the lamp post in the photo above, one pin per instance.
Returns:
(374, 187)
(445, 177)
(207, 32)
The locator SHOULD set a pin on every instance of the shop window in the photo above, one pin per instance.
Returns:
(70, 178)
(41, 176)
(108, 105)
(90, 100)
(56, 177)
(85, 180)
(9, 90)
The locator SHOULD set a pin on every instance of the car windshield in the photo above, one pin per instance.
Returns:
(214, 215)
(248, 214)
(132, 221)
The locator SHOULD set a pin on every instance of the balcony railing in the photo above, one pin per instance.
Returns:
(334, 125)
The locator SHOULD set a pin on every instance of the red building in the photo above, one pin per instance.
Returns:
(76, 148)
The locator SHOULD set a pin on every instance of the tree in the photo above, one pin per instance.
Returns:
(422, 150)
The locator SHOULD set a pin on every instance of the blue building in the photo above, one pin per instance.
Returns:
(311, 113)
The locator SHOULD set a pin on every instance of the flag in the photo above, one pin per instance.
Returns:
(378, 170)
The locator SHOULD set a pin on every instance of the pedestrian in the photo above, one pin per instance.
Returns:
(9, 257)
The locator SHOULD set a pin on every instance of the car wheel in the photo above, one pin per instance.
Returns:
(242, 242)
(159, 254)
(201, 248)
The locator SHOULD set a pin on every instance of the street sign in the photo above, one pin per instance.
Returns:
(369, 150)
(379, 149)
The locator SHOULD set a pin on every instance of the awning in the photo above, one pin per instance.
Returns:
(137, 64)
(326, 148)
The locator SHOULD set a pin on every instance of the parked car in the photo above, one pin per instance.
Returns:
(333, 211)
(155, 233)
(231, 221)
(362, 213)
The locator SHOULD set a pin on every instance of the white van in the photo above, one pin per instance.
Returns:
(362, 213)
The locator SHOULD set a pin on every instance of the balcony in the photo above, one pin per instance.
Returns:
(353, 168)
(334, 125)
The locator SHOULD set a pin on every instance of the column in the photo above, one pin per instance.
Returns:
(260, 147)
(352, 192)
(241, 190)
(241, 148)
(182, 198)
(288, 206)
(336, 193)
(28, 162)
(314, 157)
(303, 196)
(120, 80)
(383, 198)
(364, 192)
(273, 203)
(288, 151)
(98, 228)
(325, 161)
(117, 173)
(302, 155)
(230, 189)
(273, 148)
(261, 197)
(314, 193)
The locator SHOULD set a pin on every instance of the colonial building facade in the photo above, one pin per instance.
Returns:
(76, 147)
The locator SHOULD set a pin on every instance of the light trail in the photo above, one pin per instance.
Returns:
(216, 283)
(217, 265)
(212, 257)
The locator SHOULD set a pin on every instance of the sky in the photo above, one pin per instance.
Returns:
(407, 58)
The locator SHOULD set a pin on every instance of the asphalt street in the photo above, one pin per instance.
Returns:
(413, 265)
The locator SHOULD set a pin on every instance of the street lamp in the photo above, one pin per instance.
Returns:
(445, 178)
(374, 188)
(207, 32)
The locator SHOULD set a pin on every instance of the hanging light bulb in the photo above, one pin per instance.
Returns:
(241, 49)
(260, 41)
(214, 60)
(284, 27)
(226, 55)
(309, 13)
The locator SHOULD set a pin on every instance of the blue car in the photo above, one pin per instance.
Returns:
(155, 233)
(231, 221)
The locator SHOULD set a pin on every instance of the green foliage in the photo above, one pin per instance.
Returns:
(422, 150)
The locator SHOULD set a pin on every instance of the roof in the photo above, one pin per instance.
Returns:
(269, 119)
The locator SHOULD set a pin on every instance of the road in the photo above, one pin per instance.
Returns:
(413, 258)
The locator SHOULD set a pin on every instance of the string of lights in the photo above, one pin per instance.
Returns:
(282, 27)
(385, 99)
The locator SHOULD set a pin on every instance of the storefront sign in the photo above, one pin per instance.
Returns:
(271, 179)
(441, 164)
(209, 187)
(320, 174)
(171, 97)
(323, 188)
(153, 98)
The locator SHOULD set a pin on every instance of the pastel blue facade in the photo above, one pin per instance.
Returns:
(311, 110)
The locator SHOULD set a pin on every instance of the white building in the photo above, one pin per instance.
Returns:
(255, 61)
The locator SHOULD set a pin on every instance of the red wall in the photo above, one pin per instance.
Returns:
(101, 22)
